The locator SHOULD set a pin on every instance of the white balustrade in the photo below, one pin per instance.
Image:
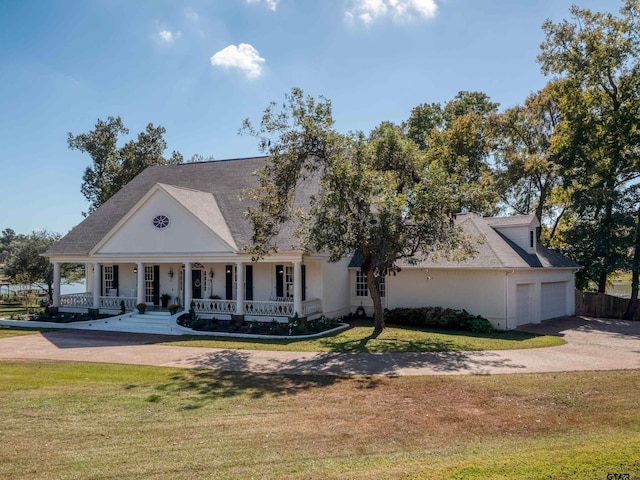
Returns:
(268, 308)
(114, 302)
(271, 308)
(311, 306)
(77, 300)
(201, 305)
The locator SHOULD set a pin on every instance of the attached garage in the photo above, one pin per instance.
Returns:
(524, 303)
(553, 300)
(511, 280)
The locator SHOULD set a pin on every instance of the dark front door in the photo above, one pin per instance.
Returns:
(156, 284)
(196, 278)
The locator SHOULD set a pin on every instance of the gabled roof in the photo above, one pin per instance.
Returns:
(512, 221)
(200, 187)
(203, 205)
(494, 250)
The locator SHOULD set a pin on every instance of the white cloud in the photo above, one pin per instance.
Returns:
(168, 36)
(243, 57)
(271, 4)
(369, 10)
(192, 15)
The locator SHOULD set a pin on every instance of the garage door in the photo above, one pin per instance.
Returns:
(524, 296)
(553, 300)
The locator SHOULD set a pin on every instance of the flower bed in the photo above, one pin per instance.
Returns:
(439, 318)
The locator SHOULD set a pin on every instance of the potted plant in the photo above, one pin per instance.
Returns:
(141, 307)
(173, 308)
(164, 298)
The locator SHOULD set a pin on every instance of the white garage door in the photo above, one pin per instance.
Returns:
(553, 300)
(524, 296)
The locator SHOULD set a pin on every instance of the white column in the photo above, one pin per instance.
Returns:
(96, 285)
(140, 283)
(239, 288)
(56, 284)
(297, 288)
(188, 286)
(87, 280)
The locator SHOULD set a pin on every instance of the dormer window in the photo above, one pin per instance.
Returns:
(531, 239)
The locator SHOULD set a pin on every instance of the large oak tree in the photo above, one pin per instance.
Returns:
(377, 193)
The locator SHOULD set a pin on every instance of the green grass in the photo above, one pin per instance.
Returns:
(15, 331)
(8, 309)
(77, 421)
(360, 338)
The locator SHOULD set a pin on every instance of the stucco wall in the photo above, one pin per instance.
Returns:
(335, 288)
(478, 292)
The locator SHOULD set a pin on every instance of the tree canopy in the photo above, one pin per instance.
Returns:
(24, 262)
(378, 194)
(113, 166)
(597, 57)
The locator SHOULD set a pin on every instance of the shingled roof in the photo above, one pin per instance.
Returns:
(216, 183)
(494, 250)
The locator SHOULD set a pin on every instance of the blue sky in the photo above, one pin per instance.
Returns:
(199, 68)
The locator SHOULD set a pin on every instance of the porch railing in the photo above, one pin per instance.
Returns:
(268, 308)
(114, 302)
(312, 306)
(85, 300)
(77, 300)
(214, 306)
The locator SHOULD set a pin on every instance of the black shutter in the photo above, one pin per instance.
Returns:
(303, 271)
(101, 286)
(279, 281)
(229, 281)
(248, 291)
(156, 284)
(116, 285)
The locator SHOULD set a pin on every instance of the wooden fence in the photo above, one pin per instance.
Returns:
(603, 305)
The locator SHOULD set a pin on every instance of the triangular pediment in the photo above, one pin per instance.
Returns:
(170, 220)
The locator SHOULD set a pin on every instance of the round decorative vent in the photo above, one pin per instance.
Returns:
(161, 221)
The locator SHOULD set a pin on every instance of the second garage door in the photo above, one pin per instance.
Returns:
(553, 300)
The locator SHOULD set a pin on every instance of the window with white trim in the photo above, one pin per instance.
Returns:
(288, 281)
(362, 290)
(107, 278)
(148, 284)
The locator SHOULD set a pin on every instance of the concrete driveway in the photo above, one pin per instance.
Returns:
(592, 344)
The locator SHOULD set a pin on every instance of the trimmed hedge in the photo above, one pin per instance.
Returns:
(438, 317)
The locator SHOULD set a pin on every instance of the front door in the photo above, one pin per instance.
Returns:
(152, 284)
(196, 279)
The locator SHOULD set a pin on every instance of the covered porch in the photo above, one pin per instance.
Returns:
(222, 288)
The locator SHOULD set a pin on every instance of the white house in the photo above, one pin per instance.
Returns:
(180, 230)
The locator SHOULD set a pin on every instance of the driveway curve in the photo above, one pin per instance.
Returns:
(592, 344)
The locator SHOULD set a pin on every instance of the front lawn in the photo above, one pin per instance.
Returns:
(15, 331)
(360, 338)
(78, 421)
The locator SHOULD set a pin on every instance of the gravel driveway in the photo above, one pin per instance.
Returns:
(592, 344)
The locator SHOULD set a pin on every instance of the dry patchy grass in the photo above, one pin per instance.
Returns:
(64, 420)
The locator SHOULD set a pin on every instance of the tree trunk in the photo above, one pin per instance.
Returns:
(373, 284)
(635, 274)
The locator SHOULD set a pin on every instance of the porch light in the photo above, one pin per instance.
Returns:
(170, 272)
(211, 273)
(135, 269)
